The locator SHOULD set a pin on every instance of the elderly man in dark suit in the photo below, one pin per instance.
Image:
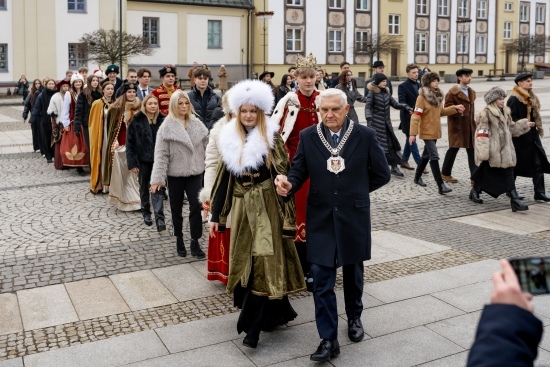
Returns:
(344, 163)
(407, 93)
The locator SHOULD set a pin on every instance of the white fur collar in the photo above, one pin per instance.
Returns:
(238, 157)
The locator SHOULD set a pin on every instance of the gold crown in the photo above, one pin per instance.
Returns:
(309, 62)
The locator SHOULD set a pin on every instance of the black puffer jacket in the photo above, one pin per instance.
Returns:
(40, 108)
(141, 139)
(377, 113)
(204, 105)
(29, 103)
(82, 110)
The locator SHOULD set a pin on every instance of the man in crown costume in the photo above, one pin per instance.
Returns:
(295, 112)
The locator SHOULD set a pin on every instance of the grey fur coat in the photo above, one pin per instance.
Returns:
(179, 151)
(495, 129)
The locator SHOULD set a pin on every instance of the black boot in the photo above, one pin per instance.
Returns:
(419, 171)
(147, 219)
(516, 204)
(396, 172)
(441, 188)
(158, 208)
(180, 246)
(538, 183)
(474, 196)
(196, 250)
(252, 337)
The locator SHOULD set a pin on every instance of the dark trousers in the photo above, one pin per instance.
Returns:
(179, 186)
(46, 139)
(450, 157)
(144, 176)
(538, 177)
(36, 135)
(326, 313)
(86, 136)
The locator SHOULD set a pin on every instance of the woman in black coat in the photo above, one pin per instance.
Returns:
(23, 87)
(40, 118)
(140, 153)
(29, 103)
(283, 88)
(83, 106)
(377, 113)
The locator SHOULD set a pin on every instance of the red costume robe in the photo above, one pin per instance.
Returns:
(163, 95)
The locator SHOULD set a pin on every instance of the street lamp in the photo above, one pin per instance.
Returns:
(463, 21)
(264, 15)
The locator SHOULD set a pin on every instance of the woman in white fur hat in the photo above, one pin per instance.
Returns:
(264, 265)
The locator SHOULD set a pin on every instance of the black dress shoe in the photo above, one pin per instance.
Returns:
(542, 197)
(419, 182)
(396, 172)
(327, 349)
(251, 338)
(196, 250)
(442, 189)
(147, 219)
(355, 330)
(161, 226)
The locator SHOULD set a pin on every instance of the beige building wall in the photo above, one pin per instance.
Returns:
(502, 59)
(394, 7)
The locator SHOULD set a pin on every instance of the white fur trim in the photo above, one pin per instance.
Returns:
(253, 92)
(292, 103)
(238, 157)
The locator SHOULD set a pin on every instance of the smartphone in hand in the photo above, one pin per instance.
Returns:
(533, 274)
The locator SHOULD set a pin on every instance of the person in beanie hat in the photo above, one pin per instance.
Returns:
(531, 157)
(426, 122)
(378, 68)
(112, 72)
(460, 126)
(163, 93)
(494, 150)
(377, 112)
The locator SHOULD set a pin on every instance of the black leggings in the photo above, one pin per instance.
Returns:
(179, 186)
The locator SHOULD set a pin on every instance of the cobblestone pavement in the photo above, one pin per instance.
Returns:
(53, 231)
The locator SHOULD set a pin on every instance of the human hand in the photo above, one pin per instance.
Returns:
(135, 170)
(412, 139)
(506, 288)
(67, 128)
(155, 188)
(282, 185)
(213, 229)
(460, 108)
(531, 124)
(205, 209)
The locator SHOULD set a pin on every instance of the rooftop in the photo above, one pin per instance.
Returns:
(246, 4)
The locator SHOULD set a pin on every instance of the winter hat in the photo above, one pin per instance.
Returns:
(167, 69)
(378, 64)
(127, 86)
(62, 82)
(77, 76)
(493, 94)
(112, 69)
(463, 71)
(378, 78)
(253, 92)
(523, 76)
(99, 73)
(429, 77)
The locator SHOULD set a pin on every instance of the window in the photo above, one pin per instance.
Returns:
(422, 7)
(77, 56)
(3, 5)
(443, 8)
(507, 30)
(541, 9)
(151, 30)
(294, 39)
(294, 2)
(335, 41)
(363, 5)
(214, 34)
(3, 57)
(421, 42)
(394, 24)
(335, 4)
(442, 43)
(523, 12)
(463, 8)
(462, 44)
(482, 9)
(76, 6)
(508, 6)
(481, 44)
(362, 42)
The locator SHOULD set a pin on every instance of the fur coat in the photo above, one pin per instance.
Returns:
(495, 129)
(426, 119)
(531, 107)
(179, 150)
(461, 127)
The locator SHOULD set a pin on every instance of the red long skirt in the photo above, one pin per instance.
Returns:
(218, 256)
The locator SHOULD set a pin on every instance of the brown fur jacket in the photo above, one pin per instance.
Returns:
(531, 101)
(426, 119)
(495, 129)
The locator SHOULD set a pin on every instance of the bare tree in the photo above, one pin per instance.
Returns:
(524, 46)
(111, 46)
(377, 44)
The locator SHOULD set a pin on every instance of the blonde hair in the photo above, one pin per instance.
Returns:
(173, 107)
(144, 103)
(261, 125)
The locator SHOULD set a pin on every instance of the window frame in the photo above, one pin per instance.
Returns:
(508, 6)
(358, 2)
(360, 41)
(5, 60)
(440, 41)
(79, 61)
(5, 5)
(297, 3)
(76, 10)
(210, 34)
(442, 4)
(465, 43)
(294, 39)
(479, 9)
(538, 7)
(509, 30)
(334, 41)
(463, 8)
(478, 38)
(149, 31)
(524, 14)
(333, 4)
(422, 4)
(392, 26)
(418, 41)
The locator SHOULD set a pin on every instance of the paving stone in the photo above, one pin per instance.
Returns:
(15, 362)
(185, 282)
(404, 245)
(456, 360)
(506, 221)
(468, 298)
(460, 330)
(10, 321)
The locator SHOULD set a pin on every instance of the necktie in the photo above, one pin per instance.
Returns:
(335, 140)
(144, 92)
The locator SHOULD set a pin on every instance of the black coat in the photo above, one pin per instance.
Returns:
(527, 145)
(29, 103)
(407, 92)
(338, 205)
(281, 92)
(141, 139)
(388, 85)
(82, 110)
(506, 336)
(377, 113)
(204, 105)
(40, 108)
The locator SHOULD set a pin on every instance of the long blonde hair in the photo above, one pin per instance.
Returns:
(173, 107)
(144, 103)
(261, 125)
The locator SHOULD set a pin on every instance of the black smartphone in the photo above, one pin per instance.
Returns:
(533, 274)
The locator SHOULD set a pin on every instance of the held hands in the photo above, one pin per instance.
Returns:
(135, 170)
(531, 124)
(460, 108)
(282, 185)
(67, 128)
(506, 288)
